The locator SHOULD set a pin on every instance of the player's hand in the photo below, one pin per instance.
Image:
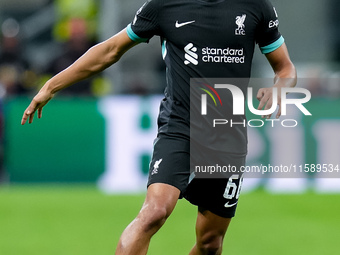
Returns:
(37, 104)
(265, 96)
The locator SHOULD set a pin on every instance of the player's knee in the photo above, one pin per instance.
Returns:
(210, 244)
(155, 218)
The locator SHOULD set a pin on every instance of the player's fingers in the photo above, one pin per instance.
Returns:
(31, 117)
(40, 112)
(262, 103)
(26, 115)
(265, 104)
(268, 104)
(29, 112)
(37, 104)
(24, 118)
(260, 94)
(278, 112)
(267, 107)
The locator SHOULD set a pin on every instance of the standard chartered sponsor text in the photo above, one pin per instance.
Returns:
(226, 55)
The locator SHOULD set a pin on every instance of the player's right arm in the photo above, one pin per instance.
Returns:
(95, 60)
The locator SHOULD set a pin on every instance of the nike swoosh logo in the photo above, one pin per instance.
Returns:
(228, 205)
(178, 25)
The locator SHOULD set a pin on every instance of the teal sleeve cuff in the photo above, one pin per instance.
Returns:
(273, 46)
(133, 36)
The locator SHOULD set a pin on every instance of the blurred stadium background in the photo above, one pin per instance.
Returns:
(73, 180)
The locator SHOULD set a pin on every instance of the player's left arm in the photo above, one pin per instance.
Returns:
(285, 76)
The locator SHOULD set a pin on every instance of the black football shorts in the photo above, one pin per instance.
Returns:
(218, 193)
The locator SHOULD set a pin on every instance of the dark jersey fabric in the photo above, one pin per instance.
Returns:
(202, 38)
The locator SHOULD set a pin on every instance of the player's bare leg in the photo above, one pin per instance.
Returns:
(210, 231)
(159, 203)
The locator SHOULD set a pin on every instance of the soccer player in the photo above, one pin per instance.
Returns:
(200, 38)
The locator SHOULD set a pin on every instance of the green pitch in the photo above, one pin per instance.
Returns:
(71, 220)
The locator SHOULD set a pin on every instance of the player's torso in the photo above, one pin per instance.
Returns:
(210, 38)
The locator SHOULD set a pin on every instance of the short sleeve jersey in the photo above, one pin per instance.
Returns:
(205, 38)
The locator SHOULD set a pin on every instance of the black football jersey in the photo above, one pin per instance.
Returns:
(205, 38)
